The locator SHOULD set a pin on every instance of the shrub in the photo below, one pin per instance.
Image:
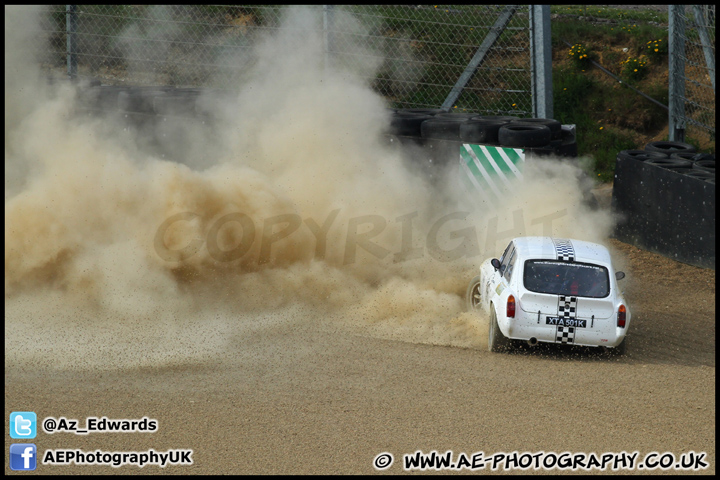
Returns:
(578, 55)
(634, 68)
(657, 49)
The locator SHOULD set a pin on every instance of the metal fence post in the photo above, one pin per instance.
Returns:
(541, 61)
(676, 74)
(71, 30)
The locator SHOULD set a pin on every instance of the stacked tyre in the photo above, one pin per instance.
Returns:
(406, 122)
(162, 119)
(681, 158)
(445, 126)
(539, 136)
(483, 130)
(441, 136)
(101, 98)
(153, 100)
(177, 102)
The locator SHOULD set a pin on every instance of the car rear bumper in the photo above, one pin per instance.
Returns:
(599, 333)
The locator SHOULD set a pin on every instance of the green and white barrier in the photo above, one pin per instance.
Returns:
(487, 172)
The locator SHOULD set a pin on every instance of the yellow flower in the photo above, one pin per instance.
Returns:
(656, 49)
(635, 70)
(565, 88)
(513, 104)
(601, 128)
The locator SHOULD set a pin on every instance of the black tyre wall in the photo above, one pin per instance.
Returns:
(568, 149)
(420, 111)
(460, 116)
(669, 147)
(554, 126)
(407, 124)
(641, 155)
(439, 128)
(684, 156)
(171, 104)
(707, 165)
(481, 131)
(101, 98)
(524, 135)
(665, 211)
(704, 156)
(501, 118)
(669, 162)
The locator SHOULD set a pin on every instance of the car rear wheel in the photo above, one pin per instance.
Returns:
(497, 342)
(622, 348)
(473, 297)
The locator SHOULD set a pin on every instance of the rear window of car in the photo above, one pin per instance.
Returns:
(563, 278)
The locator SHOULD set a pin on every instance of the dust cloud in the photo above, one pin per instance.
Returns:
(115, 258)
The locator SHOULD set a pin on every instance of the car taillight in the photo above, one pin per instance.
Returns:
(510, 311)
(621, 316)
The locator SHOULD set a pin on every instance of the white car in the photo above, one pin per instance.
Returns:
(551, 290)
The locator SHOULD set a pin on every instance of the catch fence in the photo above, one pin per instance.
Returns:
(483, 58)
(420, 52)
(692, 71)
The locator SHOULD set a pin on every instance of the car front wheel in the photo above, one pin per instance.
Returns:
(497, 342)
(473, 297)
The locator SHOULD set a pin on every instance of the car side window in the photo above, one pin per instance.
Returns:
(505, 253)
(510, 266)
(506, 259)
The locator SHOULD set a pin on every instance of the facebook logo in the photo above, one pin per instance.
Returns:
(23, 425)
(23, 456)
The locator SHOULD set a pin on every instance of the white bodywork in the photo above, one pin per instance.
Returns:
(539, 316)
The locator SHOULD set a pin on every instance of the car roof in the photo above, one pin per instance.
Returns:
(547, 247)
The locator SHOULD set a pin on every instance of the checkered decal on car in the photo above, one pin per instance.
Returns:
(564, 250)
(565, 335)
(567, 306)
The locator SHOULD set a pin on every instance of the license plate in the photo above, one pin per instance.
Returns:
(566, 322)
